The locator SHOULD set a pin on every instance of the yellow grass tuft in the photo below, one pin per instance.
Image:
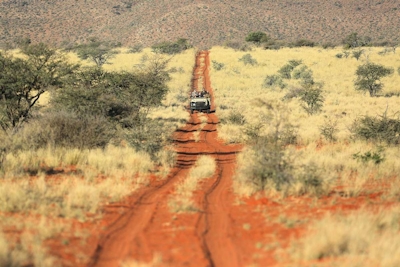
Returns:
(370, 239)
(182, 200)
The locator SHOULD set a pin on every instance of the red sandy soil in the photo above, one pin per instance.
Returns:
(225, 231)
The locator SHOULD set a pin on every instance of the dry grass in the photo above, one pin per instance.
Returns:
(182, 199)
(343, 104)
(29, 248)
(363, 238)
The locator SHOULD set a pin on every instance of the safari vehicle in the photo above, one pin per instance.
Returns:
(201, 104)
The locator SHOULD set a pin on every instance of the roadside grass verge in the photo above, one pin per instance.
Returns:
(182, 199)
(99, 177)
(361, 238)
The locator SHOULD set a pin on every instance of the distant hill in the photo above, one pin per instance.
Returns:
(204, 22)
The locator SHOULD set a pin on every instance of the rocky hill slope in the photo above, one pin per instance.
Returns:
(203, 22)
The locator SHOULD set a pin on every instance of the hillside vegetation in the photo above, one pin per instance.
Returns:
(205, 23)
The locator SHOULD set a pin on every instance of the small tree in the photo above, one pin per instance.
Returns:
(96, 51)
(353, 40)
(368, 77)
(257, 37)
(312, 99)
(24, 81)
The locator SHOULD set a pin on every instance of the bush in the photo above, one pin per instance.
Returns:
(248, 60)
(339, 55)
(312, 100)
(236, 117)
(370, 156)
(380, 129)
(149, 136)
(137, 48)
(273, 80)
(353, 40)
(286, 70)
(172, 47)
(328, 45)
(304, 42)
(303, 73)
(238, 46)
(357, 53)
(65, 129)
(217, 65)
(257, 37)
(329, 130)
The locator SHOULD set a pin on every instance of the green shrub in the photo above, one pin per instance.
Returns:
(304, 42)
(311, 100)
(172, 47)
(217, 65)
(247, 59)
(137, 48)
(286, 70)
(273, 80)
(339, 55)
(376, 157)
(303, 73)
(236, 117)
(150, 136)
(65, 129)
(380, 128)
(329, 130)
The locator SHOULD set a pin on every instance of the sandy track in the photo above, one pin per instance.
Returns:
(203, 238)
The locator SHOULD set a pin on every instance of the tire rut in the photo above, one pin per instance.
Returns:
(130, 235)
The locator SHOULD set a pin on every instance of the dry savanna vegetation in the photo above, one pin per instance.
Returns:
(308, 133)
(55, 184)
(328, 146)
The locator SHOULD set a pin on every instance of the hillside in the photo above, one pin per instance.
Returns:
(204, 22)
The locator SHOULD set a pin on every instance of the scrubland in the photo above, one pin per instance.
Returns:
(54, 186)
(315, 164)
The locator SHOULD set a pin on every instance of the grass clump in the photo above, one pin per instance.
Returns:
(361, 238)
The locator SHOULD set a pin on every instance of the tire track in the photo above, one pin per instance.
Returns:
(131, 234)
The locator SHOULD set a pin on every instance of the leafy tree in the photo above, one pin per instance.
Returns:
(24, 81)
(96, 51)
(119, 96)
(368, 77)
(353, 40)
(312, 99)
(172, 47)
(257, 37)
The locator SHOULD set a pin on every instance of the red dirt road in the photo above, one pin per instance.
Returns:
(225, 230)
(148, 228)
